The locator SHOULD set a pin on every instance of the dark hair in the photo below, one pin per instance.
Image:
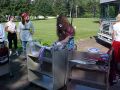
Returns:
(62, 25)
(23, 20)
(23, 15)
(9, 17)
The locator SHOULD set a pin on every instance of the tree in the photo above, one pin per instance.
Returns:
(59, 7)
(81, 8)
(41, 7)
(92, 7)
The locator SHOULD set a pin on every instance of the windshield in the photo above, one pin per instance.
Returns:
(109, 10)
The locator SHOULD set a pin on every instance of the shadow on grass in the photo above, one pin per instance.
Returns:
(19, 81)
(96, 21)
(32, 86)
(6, 80)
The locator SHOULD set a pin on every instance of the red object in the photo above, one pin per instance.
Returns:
(24, 14)
(3, 51)
(69, 31)
(116, 47)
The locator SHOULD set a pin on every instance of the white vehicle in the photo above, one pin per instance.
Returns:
(108, 11)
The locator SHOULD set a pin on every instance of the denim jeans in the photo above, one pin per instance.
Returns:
(24, 43)
(70, 44)
(12, 37)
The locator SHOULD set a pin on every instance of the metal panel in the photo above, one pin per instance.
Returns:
(59, 68)
(4, 69)
(92, 75)
(51, 73)
(105, 1)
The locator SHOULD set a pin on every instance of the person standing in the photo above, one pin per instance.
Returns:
(2, 33)
(115, 62)
(65, 32)
(25, 30)
(10, 27)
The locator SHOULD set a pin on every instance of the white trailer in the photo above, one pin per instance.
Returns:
(108, 11)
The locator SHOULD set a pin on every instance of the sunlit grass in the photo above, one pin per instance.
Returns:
(45, 30)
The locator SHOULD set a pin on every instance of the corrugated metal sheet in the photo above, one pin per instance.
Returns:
(103, 1)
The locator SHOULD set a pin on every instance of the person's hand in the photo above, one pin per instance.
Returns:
(59, 43)
(15, 31)
(11, 31)
(31, 33)
(112, 42)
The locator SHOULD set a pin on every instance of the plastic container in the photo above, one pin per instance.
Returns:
(93, 50)
(104, 57)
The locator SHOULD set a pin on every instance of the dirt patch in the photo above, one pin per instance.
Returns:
(84, 45)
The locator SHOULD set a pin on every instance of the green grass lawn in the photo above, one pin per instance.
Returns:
(45, 30)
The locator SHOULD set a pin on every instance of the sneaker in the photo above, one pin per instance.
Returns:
(10, 53)
(16, 53)
(115, 81)
(118, 77)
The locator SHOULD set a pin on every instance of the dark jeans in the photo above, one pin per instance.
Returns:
(24, 43)
(114, 69)
(12, 37)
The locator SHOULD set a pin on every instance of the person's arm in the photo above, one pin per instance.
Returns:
(70, 32)
(32, 28)
(113, 35)
(7, 30)
(65, 40)
(18, 31)
(114, 29)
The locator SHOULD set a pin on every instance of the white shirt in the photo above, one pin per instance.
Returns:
(116, 28)
(25, 31)
(11, 26)
(2, 33)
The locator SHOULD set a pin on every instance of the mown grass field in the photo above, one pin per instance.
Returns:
(45, 30)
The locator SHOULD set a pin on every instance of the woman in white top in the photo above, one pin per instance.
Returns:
(116, 39)
(115, 62)
(2, 33)
(26, 30)
(10, 27)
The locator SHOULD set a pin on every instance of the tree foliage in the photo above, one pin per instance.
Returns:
(85, 8)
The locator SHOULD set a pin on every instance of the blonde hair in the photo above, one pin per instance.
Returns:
(118, 17)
